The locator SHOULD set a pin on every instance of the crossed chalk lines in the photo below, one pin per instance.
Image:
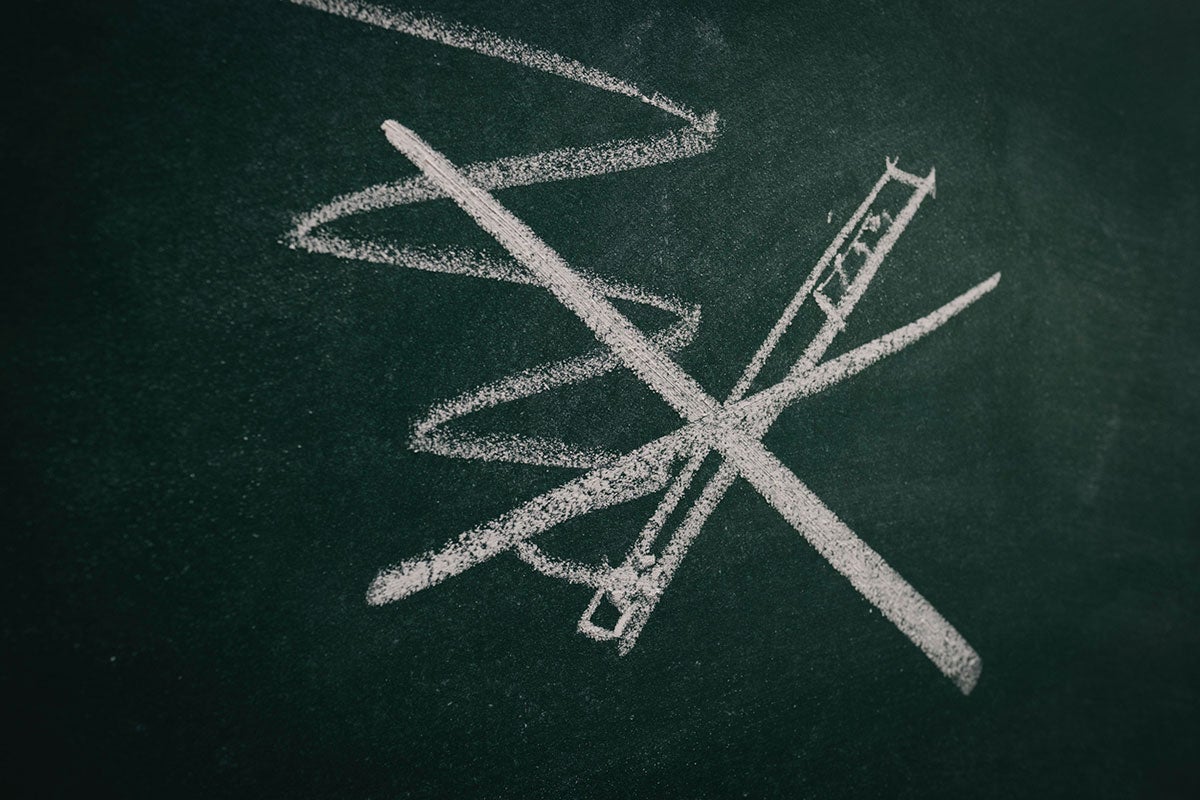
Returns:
(732, 429)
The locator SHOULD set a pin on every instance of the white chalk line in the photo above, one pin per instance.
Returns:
(862, 566)
(568, 163)
(466, 37)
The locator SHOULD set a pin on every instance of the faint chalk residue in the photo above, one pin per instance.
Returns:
(1104, 444)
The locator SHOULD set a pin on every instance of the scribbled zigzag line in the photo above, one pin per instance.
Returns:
(647, 468)
(696, 137)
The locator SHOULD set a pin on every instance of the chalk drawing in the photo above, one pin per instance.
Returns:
(732, 430)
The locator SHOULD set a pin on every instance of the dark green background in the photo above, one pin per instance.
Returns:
(206, 431)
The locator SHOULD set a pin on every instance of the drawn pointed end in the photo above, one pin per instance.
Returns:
(966, 678)
(978, 291)
(377, 592)
(403, 138)
(708, 123)
(390, 585)
(394, 130)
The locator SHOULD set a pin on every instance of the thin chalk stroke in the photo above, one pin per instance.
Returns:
(732, 429)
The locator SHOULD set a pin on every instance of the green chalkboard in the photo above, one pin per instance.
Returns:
(606, 399)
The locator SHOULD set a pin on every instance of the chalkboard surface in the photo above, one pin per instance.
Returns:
(602, 399)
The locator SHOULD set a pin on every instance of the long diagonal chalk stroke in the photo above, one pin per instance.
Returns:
(309, 233)
(863, 567)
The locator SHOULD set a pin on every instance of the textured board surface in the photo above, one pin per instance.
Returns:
(246, 325)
